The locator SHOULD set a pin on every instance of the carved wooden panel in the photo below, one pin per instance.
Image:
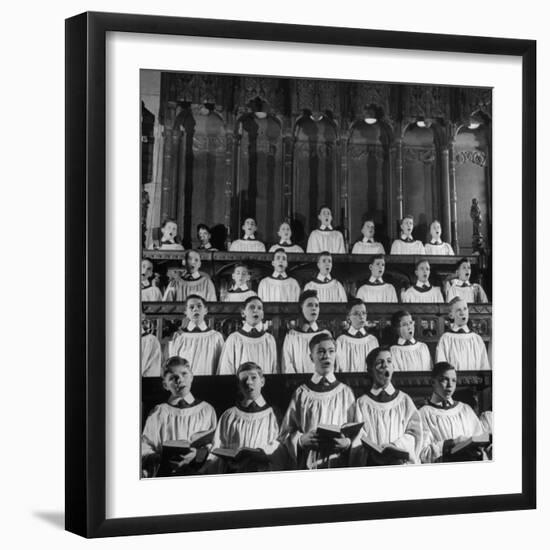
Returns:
(426, 101)
(474, 99)
(264, 92)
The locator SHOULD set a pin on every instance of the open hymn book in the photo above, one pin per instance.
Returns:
(472, 443)
(242, 453)
(329, 431)
(390, 452)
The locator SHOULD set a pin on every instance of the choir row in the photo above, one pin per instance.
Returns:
(280, 287)
(208, 353)
(324, 425)
(325, 238)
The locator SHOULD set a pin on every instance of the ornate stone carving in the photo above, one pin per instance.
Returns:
(478, 241)
(426, 101)
(474, 157)
(358, 151)
(425, 155)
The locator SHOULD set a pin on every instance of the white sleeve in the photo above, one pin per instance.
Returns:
(226, 359)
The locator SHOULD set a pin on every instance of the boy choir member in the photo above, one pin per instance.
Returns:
(183, 417)
(149, 292)
(240, 289)
(193, 282)
(320, 400)
(197, 343)
(408, 354)
(460, 346)
(461, 286)
(250, 423)
(169, 239)
(446, 421)
(406, 244)
(422, 292)
(375, 289)
(285, 240)
(327, 288)
(296, 358)
(325, 238)
(279, 287)
(204, 236)
(248, 243)
(353, 346)
(250, 343)
(367, 245)
(436, 247)
(151, 353)
(390, 416)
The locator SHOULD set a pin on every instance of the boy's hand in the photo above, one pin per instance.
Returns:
(341, 444)
(185, 460)
(309, 440)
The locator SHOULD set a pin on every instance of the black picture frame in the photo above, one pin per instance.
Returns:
(86, 283)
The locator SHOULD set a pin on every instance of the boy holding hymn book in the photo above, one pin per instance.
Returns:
(285, 240)
(177, 434)
(408, 354)
(436, 247)
(325, 238)
(406, 244)
(279, 287)
(197, 343)
(353, 346)
(392, 429)
(452, 431)
(460, 346)
(296, 358)
(246, 436)
(250, 343)
(461, 286)
(375, 289)
(193, 282)
(240, 290)
(149, 292)
(318, 425)
(327, 288)
(422, 292)
(367, 245)
(248, 243)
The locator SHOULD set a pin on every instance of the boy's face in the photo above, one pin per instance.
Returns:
(193, 262)
(240, 276)
(169, 231)
(324, 264)
(254, 312)
(310, 309)
(435, 231)
(146, 269)
(422, 272)
(251, 383)
(358, 316)
(368, 230)
(377, 267)
(323, 357)
(195, 310)
(325, 216)
(280, 262)
(173, 273)
(178, 380)
(285, 233)
(204, 235)
(405, 328)
(459, 313)
(249, 226)
(464, 271)
(407, 226)
(445, 384)
(382, 370)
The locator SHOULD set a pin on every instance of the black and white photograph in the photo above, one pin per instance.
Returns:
(316, 274)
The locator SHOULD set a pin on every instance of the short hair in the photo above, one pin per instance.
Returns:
(441, 368)
(324, 253)
(435, 221)
(203, 226)
(187, 252)
(462, 261)
(168, 220)
(373, 354)
(420, 261)
(250, 365)
(305, 295)
(354, 302)
(147, 260)
(455, 300)
(406, 217)
(280, 249)
(175, 361)
(322, 207)
(240, 264)
(397, 316)
(368, 220)
(196, 297)
(377, 257)
(249, 218)
(318, 338)
(250, 299)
